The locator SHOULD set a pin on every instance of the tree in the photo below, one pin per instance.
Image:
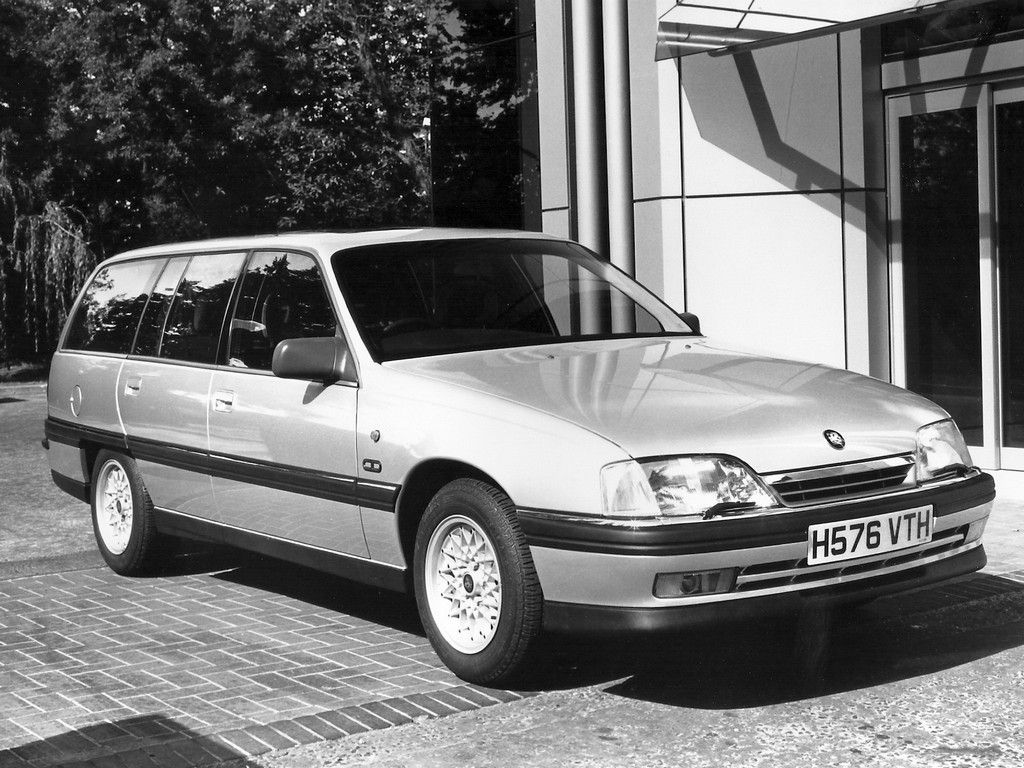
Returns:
(130, 123)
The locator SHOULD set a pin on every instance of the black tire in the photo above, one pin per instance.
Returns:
(503, 655)
(138, 554)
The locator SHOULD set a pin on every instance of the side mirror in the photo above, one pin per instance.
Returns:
(691, 320)
(325, 359)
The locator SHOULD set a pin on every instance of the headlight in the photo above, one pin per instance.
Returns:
(695, 486)
(940, 451)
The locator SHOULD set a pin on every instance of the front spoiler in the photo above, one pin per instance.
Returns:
(579, 618)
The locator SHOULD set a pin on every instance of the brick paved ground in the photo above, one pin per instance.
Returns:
(195, 668)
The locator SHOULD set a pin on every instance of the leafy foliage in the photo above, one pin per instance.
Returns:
(133, 122)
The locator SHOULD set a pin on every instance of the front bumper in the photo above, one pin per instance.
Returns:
(598, 575)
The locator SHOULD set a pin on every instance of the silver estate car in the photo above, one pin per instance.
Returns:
(500, 422)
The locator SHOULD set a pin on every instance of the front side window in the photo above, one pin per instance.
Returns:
(111, 306)
(281, 297)
(193, 325)
(415, 299)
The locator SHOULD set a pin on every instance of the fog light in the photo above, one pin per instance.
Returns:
(697, 583)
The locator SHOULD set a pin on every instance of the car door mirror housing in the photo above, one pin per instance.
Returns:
(691, 320)
(325, 359)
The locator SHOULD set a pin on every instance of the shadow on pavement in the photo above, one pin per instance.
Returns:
(745, 664)
(785, 659)
(136, 741)
(280, 577)
(324, 590)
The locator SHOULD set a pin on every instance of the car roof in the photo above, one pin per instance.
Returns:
(327, 243)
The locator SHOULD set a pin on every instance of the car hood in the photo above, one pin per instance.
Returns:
(656, 397)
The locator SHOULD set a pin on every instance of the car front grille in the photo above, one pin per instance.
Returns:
(843, 481)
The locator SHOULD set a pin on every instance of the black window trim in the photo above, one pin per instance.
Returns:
(191, 255)
(222, 347)
(105, 264)
(166, 256)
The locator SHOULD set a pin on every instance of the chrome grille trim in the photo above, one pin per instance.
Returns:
(789, 572)
(859, 479)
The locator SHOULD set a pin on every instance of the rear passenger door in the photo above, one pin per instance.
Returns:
(164, 385)
(282, 451)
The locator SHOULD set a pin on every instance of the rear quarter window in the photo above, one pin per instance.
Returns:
(108, 314)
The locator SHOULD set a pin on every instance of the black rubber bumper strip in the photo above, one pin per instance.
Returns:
(300, 480)
(545, 528)
(75, 434)
(578, 618)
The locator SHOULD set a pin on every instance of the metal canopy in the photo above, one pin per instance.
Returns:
(721, 27)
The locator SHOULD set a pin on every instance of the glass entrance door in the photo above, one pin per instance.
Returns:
(956, 182)
(1009, 178)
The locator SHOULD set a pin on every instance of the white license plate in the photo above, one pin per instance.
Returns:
(875, 535)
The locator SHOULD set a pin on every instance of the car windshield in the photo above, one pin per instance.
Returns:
(444, 296)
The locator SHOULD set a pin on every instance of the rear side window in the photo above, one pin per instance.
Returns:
(111, 306)
(192, 329)
(282, 297)
(148, 341)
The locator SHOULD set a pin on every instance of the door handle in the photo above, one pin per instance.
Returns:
(132, 386)
(223, 401)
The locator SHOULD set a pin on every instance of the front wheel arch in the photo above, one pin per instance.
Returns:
(420, 486)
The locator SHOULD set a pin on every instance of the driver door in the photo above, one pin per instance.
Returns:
(283, 451)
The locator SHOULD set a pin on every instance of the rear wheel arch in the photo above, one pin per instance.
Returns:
(89, 453)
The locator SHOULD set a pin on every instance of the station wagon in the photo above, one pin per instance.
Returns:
(499, 422)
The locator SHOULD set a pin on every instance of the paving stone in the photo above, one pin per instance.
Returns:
(241, 744)
(407, 707)
(137, 665)
(165, 756)
(138, 758)
(295, 732)
(270, 736)
(343, 722)
(433, 706)
(476, 696)
(367, 718)
(9, 759)
(456, 702)
(385, 712)
(320, 727)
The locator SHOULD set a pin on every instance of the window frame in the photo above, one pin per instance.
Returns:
(223, 348)
(62, 343)
(190, 255)
(379, 357)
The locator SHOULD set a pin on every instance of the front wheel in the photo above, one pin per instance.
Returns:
(476, 586)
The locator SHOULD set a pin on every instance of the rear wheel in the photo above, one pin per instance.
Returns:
(122, 514)
(476, 586)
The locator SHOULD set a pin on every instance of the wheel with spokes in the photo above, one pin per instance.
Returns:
(476, 586)
(122, 514)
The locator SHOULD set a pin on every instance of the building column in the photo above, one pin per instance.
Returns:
(588, 126)
(615, 19)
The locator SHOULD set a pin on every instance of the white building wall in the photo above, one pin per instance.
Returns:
(764, 228)
(780, 221)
